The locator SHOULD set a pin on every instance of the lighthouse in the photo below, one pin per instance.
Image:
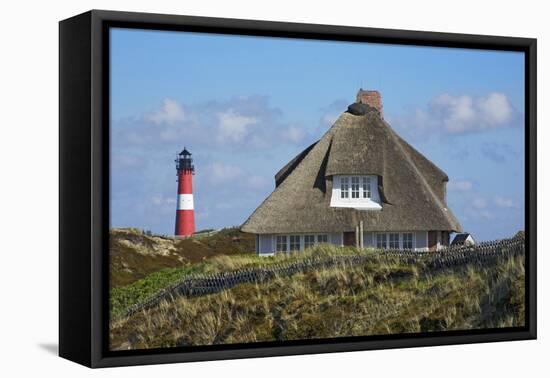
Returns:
(185, 213)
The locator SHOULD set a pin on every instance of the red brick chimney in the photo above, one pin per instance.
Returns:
(370, 98)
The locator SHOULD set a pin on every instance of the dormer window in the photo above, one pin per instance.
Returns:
(355, 187)
(344, 187)
(366, 187)
(360, 192)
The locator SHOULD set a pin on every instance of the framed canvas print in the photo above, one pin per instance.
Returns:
(234, 188)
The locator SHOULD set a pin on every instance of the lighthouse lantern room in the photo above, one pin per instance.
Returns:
(185, 213)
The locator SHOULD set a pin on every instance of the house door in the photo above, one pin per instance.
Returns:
(432, 240)
(349, 239)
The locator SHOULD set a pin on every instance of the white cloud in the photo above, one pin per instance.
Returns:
(161, 200)
(170, 113)
(329, 119)
(476, 213)
(127, 160)
(294, 134)
(163, 205)
(485, 214)
(258, 182)
(495, 109)
(460, 114)
(479, 203)
(460, 185)
(219, 172)
(504, 202)
(457, 112)
(234, 126)
(230, 125)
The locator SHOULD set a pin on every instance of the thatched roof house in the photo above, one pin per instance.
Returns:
(360, 184)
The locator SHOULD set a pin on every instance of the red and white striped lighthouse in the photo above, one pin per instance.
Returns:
(185, 214)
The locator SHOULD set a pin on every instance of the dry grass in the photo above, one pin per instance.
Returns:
(135, 255)
(124, 296)
(372, 299)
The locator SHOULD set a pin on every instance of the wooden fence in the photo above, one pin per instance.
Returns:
(481, 254)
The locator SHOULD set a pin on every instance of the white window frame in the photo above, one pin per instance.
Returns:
(390, 241)
(310, 244)
(403, 240)
(356, 191)
(290, 243)
(384, 239)
(355, 187)
(319, 236)
(344, 187)
(285, 243)
(366, 187)
(278, 240)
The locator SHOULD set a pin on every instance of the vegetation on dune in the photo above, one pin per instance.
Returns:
(135, 254)
(122, 297)
(387, 297)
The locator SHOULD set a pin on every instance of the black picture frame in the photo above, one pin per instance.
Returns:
(84, 185)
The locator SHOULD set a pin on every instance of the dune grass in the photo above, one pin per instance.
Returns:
(386, 297)
(134, 254)
(122, 297)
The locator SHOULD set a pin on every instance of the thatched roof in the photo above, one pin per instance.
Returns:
(412, 188)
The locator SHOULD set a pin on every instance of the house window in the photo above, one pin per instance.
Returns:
(394, 241)
(344, 187)
(381, 241)
(309, 241)
(294, 242)
(355, 187)
(281, 243)
(408, 240)
(366, 187)
(322, 238)
(356, 191)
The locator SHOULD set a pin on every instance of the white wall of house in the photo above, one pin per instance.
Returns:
(267, 244)
(358, 192)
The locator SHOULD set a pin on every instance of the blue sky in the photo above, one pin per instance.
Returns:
(244, 106)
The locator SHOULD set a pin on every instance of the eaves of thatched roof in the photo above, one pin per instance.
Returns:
(412, 187)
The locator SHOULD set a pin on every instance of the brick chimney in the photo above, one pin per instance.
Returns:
(370, 98)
